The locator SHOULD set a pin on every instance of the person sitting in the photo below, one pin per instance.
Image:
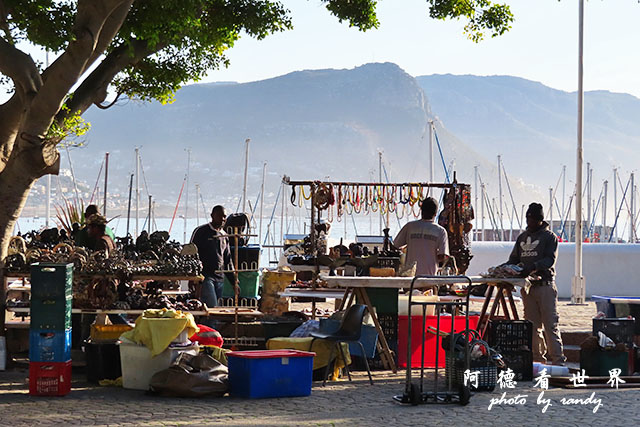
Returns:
(96, 231)
(82, 236)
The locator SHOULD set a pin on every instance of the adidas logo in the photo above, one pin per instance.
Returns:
(528, 247)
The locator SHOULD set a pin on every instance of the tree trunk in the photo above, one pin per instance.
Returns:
(15, 183)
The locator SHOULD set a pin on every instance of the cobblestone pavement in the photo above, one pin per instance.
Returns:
(340, 403)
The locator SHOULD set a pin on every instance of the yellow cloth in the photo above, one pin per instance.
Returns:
(220, 354)
(111, 383)
(320, 347)
(158, 332)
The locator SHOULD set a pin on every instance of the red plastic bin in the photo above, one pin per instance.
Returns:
(431, 342)
(49, 378)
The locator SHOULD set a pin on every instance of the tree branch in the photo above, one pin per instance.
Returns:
(93, 89)
(60, 77)
(4, 25)
(10, 114)
(20, 68)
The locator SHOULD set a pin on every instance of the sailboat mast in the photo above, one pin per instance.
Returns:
(264, 174)
(137, 190)
(246, 167)
(106, 180)
(500, 196)
(186, 197)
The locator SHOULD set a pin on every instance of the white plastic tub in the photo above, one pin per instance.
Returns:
(416, 310)
(138, 366)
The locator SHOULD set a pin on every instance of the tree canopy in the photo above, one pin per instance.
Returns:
(143, 49)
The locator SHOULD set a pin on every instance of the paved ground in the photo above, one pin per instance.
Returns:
(341, 403)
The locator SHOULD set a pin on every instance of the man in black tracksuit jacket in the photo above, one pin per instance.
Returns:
(537, 249)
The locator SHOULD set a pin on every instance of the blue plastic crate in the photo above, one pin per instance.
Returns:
(49, 346)
(270, 373)
(368, 337)
(603, 304)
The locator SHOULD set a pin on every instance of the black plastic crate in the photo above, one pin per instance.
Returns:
(510, 335)
(393, 262)
(103, 361)
(248, 256)
(389, 325)
(51, 280)
(521, 363)
(619, 330)
(53, 314)
(486, 369)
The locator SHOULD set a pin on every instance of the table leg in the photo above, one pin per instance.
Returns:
(485, 305)
(512, 303)
(503, 302)
(385, 352)
(492, 313)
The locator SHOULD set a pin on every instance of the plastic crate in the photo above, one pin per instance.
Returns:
(521, 363)
(248, 256)
(393, 262)
(51, 280)
(53, 314)
(107, 332)
(430, 341)
(604, 305)
(270, 373)
(368, 337)
(103, 361)
(249, 282)
(597, 363)
(510, 335)
(629, 309)
(487, 372)
(49, 378)
(619, 330)
(49, 346)
(384, 300)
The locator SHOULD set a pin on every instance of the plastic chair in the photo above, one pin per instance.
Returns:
(349, 331)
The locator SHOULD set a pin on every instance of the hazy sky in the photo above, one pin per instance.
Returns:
(541, 46)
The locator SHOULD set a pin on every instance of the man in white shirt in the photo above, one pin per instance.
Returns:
(427, 242)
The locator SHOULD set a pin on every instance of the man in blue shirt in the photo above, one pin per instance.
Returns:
(214, 251)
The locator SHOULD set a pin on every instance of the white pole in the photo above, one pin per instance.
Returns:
(603, 230)
(246, 167)
(264, 174)
(615, 199)
(500, 196)
(578, 286)
(482, 196)
(137, 189)
(431, 158)
(632, 219)
(551, 208)
(564, 182)
(186, 197)
(475, 192)
(283, 197)
(198, 204)
(380, 181)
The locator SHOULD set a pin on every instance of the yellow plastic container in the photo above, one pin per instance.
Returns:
(416, 310)
(108, 332)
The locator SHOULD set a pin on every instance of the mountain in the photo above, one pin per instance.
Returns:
(534, 126)
(307, 125)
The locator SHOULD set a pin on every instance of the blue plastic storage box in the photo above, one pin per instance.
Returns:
(49, 346)
(270, 373)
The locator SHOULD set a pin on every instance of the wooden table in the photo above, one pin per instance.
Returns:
(358, 285)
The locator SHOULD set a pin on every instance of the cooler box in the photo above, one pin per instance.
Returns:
(270, 373)
(49, 346)
(138, 366)
(49, 378)
(51, 280)
(431, 342)
(249, 282)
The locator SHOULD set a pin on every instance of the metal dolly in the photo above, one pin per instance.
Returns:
(415, 393)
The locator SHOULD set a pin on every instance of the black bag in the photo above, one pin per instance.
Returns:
(239, 221)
